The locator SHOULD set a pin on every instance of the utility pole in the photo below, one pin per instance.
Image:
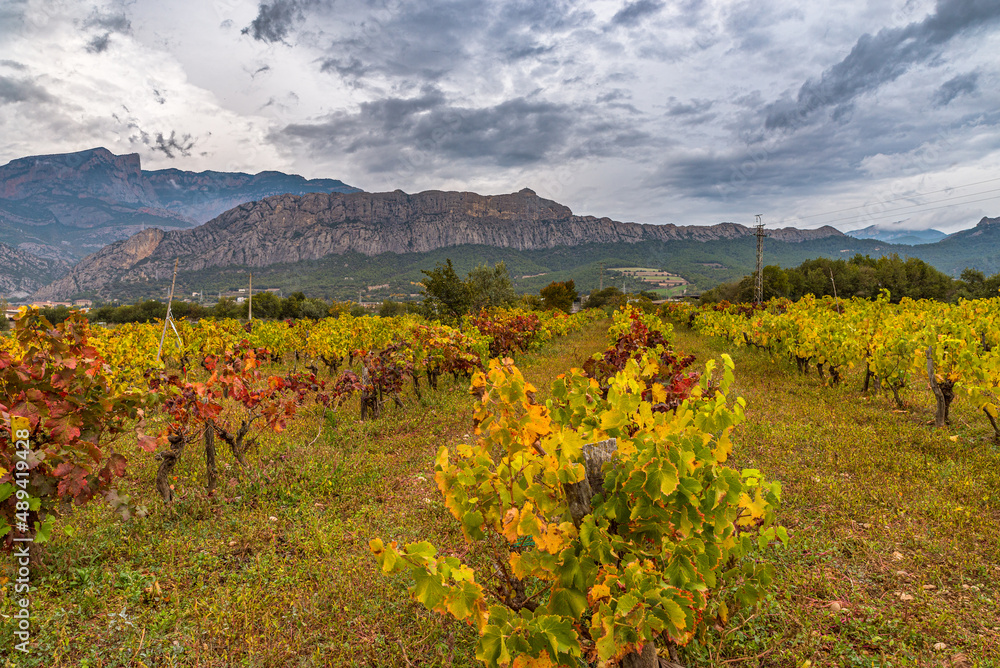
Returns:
(250, 300)
(758, 288)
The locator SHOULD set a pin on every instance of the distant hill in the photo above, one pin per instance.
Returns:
(895, 235)
(975, 248)
(287, 229)
(65, 206)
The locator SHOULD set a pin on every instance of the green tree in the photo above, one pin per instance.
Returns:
(392, 308)
(291, 305)
(266, 305)
(447, 296)
(490, 287)
(56, 314)
(610, 296)
(559, 295)
(228, 308)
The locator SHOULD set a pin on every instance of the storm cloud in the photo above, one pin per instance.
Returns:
(275, 19)
(879, 59)
(420, 131)
(688, 112)
(633, 12)
(424, 42)
(21, 90)
(963, 84)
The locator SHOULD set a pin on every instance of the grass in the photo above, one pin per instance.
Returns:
(895, 525)
(274, 570)
(895, 539)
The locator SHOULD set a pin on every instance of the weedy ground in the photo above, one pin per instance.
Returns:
(894, 558)
(895, 551)
(274, 570)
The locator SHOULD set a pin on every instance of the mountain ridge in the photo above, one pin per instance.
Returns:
(287, 229)
(66, 203)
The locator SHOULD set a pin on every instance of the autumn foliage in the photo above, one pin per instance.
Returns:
(75, 410)
(671, 540)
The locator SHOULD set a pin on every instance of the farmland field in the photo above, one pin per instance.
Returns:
(893, 557)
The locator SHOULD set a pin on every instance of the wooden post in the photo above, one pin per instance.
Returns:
(170, 299)
(211, 470)
(839, 308)
(168, 459)
(250, 300)
(579, 495)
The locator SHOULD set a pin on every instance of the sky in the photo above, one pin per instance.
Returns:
(694, 112)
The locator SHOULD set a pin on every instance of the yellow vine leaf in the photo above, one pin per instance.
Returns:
(510, 525)
(541, 661)
(539, 423)
(756, 508)
(600, 591)
(725, 446)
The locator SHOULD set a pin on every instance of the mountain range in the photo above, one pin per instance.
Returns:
(288, 229)
(68, 205)
(341, 243)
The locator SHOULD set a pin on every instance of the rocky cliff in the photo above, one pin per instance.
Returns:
(22, 273)
(71, 204)
(287, 229)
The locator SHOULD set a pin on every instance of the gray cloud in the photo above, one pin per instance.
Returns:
(276, 19)
(401, 133)
(754, 24)
(880, 59)
(963, 84)
(694, 107)
(105, 23)
(99, 44)
(14, 65)
(633, 12)
(824, 154)
(109, 22)
(429, 41)
(173, 145)
(694, 112)
(21, 90)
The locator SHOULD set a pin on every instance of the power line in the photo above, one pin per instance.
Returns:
(887, 201)
(911, 206)
(933, 208)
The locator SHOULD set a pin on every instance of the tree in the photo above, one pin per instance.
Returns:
(392, 308)
(559, 295)
(608, 296)
(4, 322)
(447, 296)
(490, 287)
(266, 305)
(313, 308)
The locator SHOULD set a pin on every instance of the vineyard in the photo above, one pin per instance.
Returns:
(948, 349)
(525, 488)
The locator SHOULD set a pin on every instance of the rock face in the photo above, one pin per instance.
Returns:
(74, 203)
(288, 228)
(22, 273)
